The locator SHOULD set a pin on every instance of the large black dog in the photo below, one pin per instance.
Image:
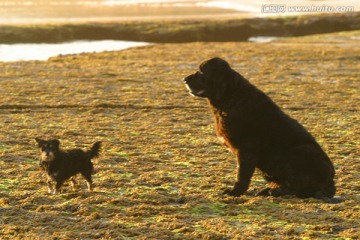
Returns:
(62, 165)
(262, 136)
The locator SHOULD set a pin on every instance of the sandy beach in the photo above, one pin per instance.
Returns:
(162, 170)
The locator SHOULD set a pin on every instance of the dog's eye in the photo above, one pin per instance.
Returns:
(198, 74)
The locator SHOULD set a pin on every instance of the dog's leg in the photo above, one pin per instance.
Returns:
(73, 183)
(280, 191)
(245, 170)
(275, 190)
(50, 185)
(321, 196)
(264, 192)
(89, 185)
(88, 179)
(59, 183)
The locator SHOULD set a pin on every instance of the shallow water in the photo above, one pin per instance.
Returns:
(70, 11)
(43, 51)
(262, 39)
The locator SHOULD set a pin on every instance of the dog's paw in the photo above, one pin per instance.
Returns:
(333, 200)
(263, 192)
(232, 192)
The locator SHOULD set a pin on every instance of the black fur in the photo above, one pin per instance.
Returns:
(62, 165)
(262, 136)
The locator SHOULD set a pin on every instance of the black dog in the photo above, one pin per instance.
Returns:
(261, 136)
(61, 165)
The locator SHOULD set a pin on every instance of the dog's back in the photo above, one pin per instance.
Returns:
(79, 161)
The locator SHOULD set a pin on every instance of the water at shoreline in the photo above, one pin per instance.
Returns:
(43, 51)
(13, 12)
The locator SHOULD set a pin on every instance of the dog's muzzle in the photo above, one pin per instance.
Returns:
(47, 156)
(44, 164)
(193, 92)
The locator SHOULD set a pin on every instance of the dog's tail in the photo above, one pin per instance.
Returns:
(94, 150)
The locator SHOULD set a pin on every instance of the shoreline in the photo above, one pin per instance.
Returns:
(180, 30)
(45, 51)
(84, 20)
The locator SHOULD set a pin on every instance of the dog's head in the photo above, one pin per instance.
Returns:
(48, 150)
(212, 79)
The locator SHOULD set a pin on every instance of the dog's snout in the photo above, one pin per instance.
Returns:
(188, 78)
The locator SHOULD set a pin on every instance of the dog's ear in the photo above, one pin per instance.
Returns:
(39, 141)
(220, 89)
(56, 143)
(220, 73)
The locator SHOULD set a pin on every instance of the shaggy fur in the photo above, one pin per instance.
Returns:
(62, 165)
(262, 136)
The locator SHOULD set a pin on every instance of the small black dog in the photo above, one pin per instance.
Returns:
(61, 165)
